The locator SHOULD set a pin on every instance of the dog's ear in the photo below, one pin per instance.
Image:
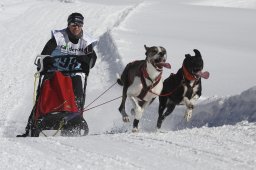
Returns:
(146, 48)
(197, 53)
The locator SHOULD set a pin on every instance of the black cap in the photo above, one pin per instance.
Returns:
(76, 18)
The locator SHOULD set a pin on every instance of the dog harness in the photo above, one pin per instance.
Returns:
(143, 76)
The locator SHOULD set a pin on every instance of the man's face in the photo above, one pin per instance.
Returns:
(75, 29)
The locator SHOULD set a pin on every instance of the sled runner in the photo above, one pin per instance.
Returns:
(58, 104)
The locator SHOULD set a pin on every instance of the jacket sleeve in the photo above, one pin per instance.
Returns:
(49, 47)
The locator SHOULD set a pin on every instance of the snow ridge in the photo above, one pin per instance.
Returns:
(218, 112)
(107, 47)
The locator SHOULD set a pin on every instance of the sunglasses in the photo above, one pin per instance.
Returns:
(76, 24)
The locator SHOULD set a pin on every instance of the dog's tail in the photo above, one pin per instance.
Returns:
(119, 81)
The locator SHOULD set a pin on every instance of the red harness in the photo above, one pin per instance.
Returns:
(143, 76)
(188, 75)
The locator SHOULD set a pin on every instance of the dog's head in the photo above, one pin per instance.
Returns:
(193, 66)
(157, 57)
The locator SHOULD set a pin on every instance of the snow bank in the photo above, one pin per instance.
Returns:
(213, 112)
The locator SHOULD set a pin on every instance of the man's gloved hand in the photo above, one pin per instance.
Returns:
(86, 68)
(84, 60)
(48, 63)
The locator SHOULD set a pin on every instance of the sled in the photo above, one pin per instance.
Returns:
(56, 107)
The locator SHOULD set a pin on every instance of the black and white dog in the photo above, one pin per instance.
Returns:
(184, 87)
(142, 81)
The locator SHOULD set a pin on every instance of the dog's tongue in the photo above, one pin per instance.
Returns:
(205, 74)
(166, 65)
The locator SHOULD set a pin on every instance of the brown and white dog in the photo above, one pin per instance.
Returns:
(142, 81)
(184, 87)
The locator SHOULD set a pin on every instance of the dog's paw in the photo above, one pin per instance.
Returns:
(190, 106)
(134, 130)
(196, 97)
(188, 114)
(126, 119)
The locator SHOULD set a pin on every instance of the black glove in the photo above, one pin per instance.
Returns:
(86, 68)
(84, 60)
(48, 63)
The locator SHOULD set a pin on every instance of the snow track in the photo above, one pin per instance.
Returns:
(133, 151)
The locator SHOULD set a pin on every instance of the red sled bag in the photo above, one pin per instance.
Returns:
(56, 95)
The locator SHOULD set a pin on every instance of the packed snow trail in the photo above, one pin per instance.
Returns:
(222, 147)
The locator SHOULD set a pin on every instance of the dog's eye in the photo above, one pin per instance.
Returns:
(154, 51)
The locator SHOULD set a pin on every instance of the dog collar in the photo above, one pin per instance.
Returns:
(145, 75)
(188, 75)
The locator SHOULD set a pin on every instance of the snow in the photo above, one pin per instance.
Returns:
(222, 131)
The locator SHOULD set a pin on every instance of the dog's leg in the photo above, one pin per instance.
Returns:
(170, 107)
(161, 108)
(135, 125)
(138, 111)
(138, 115)
(188, 103)
(162, 104)
(188, 114)
(190, 107)
(122, 106)
(194, 98)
